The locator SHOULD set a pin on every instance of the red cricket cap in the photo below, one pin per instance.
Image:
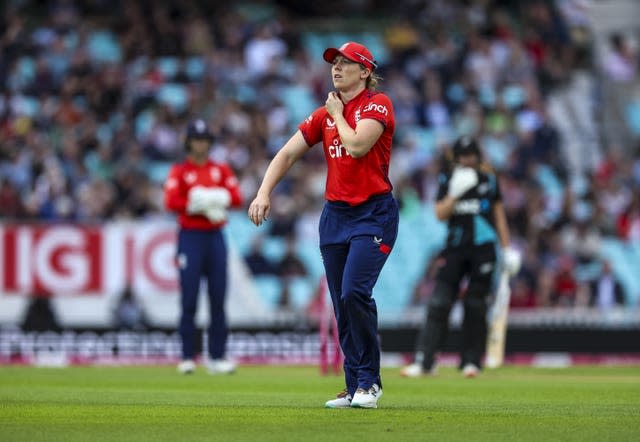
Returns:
(352, 51)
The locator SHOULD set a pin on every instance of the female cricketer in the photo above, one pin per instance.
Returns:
(359, 222)
(200, 192)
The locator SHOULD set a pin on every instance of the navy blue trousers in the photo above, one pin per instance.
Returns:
(202, 254)
(355, 242)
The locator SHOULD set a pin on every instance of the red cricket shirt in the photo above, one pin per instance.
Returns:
(354, 180)
(183, 176)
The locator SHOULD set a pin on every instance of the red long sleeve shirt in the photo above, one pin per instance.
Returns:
(183, 176)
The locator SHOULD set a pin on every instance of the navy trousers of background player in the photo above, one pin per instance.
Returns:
(355, 243)
(202, 253)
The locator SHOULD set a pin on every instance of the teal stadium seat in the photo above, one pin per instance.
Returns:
(240, 231)
(299, 102)
(513, 96)
(28, 106)
(168, 66)
(269, 289)
(625, 262)
(174, 95)
(157, 171)
(274, 248)
(301, 290)
(309, 253)
(633, 116)
(195, 68)
(424, 139)
(103, 47)
(143, 123)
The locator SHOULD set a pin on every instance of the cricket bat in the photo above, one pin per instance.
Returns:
(496, 336)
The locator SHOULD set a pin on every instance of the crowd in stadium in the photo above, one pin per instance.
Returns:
(95, 97)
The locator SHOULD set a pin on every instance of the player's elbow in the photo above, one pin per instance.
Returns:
(359, 150)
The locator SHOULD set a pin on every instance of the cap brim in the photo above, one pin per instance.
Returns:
(330, 54)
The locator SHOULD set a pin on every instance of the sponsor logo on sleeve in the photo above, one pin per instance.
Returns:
(380, 108)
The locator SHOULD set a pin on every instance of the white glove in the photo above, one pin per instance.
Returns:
(201, 199)
(216, 197)
(196, 201)
(511, 260)
(216, 214)
(462, 179)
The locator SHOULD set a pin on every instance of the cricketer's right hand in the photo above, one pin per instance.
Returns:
(259, 209)
(462, 179)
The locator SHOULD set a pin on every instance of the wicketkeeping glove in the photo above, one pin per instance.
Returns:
(462, 179)
(216, 214)
(196, 201)
(202, 199)
(511, 260)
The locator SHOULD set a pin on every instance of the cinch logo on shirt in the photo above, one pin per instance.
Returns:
(376, 107)
(337, 150)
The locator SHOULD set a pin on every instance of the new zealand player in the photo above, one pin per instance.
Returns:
(469, 199)
(359, 223)
(200, 192)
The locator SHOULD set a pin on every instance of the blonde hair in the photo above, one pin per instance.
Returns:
(372, 79)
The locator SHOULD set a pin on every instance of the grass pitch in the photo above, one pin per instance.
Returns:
(270, 403)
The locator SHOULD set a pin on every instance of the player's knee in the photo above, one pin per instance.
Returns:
(352, 298)
(441, 301)
(475, 307)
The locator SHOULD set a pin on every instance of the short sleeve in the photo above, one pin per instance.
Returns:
(497, 194)
(311, 127)
(443, 186)
(378, 108)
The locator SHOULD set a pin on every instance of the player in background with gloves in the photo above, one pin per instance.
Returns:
(469, 201)
(201, 191)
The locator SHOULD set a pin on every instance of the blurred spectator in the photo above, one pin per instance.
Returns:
(257, 261)
(128, 313)
(264, 51)
(606, 291)
(10, 203)
(522, 294)
(565, 285)
(40, 315)
(580, 238)
(290, 265)
(621, 63)
(628, 223)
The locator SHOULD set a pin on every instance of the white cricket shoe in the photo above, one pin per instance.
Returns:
(342, 400)
(367, 398)
(187, 366)
(220, 366)
(470, 371)
(416, 370)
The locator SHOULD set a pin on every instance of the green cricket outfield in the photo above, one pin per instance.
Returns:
(282, 403)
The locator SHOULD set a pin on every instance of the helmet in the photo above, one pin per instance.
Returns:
(465, 145)
(197, 129)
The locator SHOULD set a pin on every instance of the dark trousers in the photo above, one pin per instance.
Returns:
(477, 263)
(355, 242)
(202, 253)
